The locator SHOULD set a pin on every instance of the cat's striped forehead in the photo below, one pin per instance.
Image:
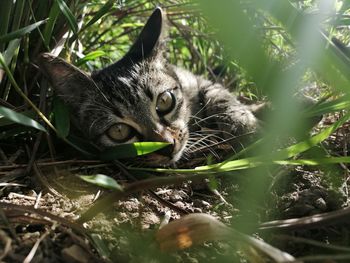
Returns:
(132, 93)
(133, 87)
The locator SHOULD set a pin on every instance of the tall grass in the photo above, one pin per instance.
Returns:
(271, 48)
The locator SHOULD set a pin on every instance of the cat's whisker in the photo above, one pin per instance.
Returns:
(203, 145)
(200, 110)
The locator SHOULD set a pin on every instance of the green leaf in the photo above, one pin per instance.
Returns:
(4, 121)
(329, 106)
(20, 32)
(101, 245)
(131, 150)
(103, 181)
(316, 161)
(69, 15)
(91, 56)
(54, 12)
(104, 10)
(286, 153)
(62, 120)
(11, 50)
(16, 117)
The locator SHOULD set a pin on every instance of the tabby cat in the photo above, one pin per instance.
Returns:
(142, 97)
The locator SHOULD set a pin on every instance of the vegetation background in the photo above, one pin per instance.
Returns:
(260, 49)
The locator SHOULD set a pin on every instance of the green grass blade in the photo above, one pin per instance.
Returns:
(325, 107)
(315, 162)
(19, 118)
(274, 158)
(101, 245)
(5, 122)
(100, 13)
(11, 50)
(5, 14)
(317, 51)
(91, 56)
(20, 32)
(247, 49)
(68, 15)
(131, 150)
(18, 14)
(313, 141)
(54, 12)
(103, 181)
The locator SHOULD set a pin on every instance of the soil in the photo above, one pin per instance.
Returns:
(39, 210)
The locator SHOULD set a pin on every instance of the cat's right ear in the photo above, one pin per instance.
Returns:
(69, 82)
(151, 39)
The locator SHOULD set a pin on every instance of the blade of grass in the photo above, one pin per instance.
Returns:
(21, 93)
(35, 108)
(19, 118)
(54, 12)
(103, 181)
(4, 121)
(68, 15)
(5, 14)
(21, 32)
(330, 63)
(91, 56)
(131, 150)
(247, 163)
(10, 51)
(100, 13)
(325, 107)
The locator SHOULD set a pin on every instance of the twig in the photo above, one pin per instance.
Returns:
(308, 221)
(48, 216)
(7, 241)
(32, 252)
(52, 163)
(104, 203)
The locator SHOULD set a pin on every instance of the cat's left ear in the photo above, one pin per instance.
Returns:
(151, 40)
(69, 82)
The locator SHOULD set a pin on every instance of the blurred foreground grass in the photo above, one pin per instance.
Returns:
(257, 48)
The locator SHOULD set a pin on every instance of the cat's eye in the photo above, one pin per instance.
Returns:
(165, 102)
(120, 132)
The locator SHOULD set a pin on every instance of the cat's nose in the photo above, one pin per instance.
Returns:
(167, 150)
(164, 136)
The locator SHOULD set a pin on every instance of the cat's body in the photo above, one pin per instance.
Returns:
(144, 98)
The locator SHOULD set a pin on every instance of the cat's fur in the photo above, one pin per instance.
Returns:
(127, 92)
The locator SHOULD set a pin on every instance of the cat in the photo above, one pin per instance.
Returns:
(142, 97)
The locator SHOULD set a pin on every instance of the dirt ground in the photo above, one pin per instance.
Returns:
(39, 209)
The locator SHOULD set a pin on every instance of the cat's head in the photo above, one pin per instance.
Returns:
(138, 98)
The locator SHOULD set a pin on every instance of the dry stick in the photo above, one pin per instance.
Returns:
(311, 242)
(44, 182)
(32, 252)
(33, 153)
(82, 243)
(5, 222)
(46, 215)
(168, 204)
(308, 221)
(52, 163)
(6, 242)
(104, 203)
(152, 193)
